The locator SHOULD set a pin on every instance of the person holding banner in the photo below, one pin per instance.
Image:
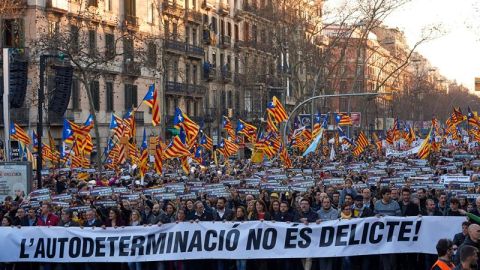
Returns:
(66, 219)
(47, 218)
(305, 216)
(387, 207)
(91, 219)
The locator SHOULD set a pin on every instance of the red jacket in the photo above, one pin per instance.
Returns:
(52, 220)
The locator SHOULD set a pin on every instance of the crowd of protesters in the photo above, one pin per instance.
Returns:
(355, 197)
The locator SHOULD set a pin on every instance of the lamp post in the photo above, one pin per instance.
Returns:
(284, 133)
(41, 100)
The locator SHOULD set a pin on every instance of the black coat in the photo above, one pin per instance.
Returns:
(467, 242)
(310, 215)
(282, 217)
(96, 223)
(367, 212)
(453, 213)
(21, 221)
(206, 216)
(458, 239)
(227, 216)
(410, 209)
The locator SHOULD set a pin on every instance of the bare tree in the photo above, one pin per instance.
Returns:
(75, 36)
(11, 7)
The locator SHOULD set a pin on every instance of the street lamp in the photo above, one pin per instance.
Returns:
(284, 133)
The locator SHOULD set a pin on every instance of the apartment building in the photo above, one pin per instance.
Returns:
(210, 58)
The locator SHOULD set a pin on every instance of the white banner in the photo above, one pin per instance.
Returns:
(406, 153)
(227, 240)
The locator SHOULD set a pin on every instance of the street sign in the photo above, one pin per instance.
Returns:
(15, 176)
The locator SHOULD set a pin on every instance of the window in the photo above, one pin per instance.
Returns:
(95, 92)
(246, 32)
(75, 95)
(194, 4)
(151, 55)
(128, 49)
(187, 73)
(248, 101)
(130, 96)
(189, 107)
(93, 3)
(214, 59)
(175, 30)
(150, 9)
(235, 31)
(74, 36)
(92, 42)
(222, 27)
(13, 33)
(175, 70)
(237, 67)
(109, 96)
(194, 74)
(195, 108)
(109, 45)
(214, 25)
(52, 28)
(130, 9)
(166, 28)
(254, 33)
(229, 99)
(108, 5)
(229, 62)
(237, 101)
(194, 36)
(229, 29)
(187, 34)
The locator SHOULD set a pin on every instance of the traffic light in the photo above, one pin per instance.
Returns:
(60, 96)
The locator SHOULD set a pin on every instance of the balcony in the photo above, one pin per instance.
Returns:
(195, 51)
(177, 88)
(226, 75)
(238, 79)
(131, 22)
(18, 116)
(206, 5)
(226, 42)
(171, 8)
(238, 14)
(175, 46)
(210, 115)
(140, 117)
(194, 16)
(55, 119)
(252, 9)
(206, 37)
(223, 9)
(132, 68)
(209, 71)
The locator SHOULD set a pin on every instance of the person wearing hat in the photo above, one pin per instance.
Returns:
(359, 209)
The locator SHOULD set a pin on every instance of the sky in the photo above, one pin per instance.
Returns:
(456, 52)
